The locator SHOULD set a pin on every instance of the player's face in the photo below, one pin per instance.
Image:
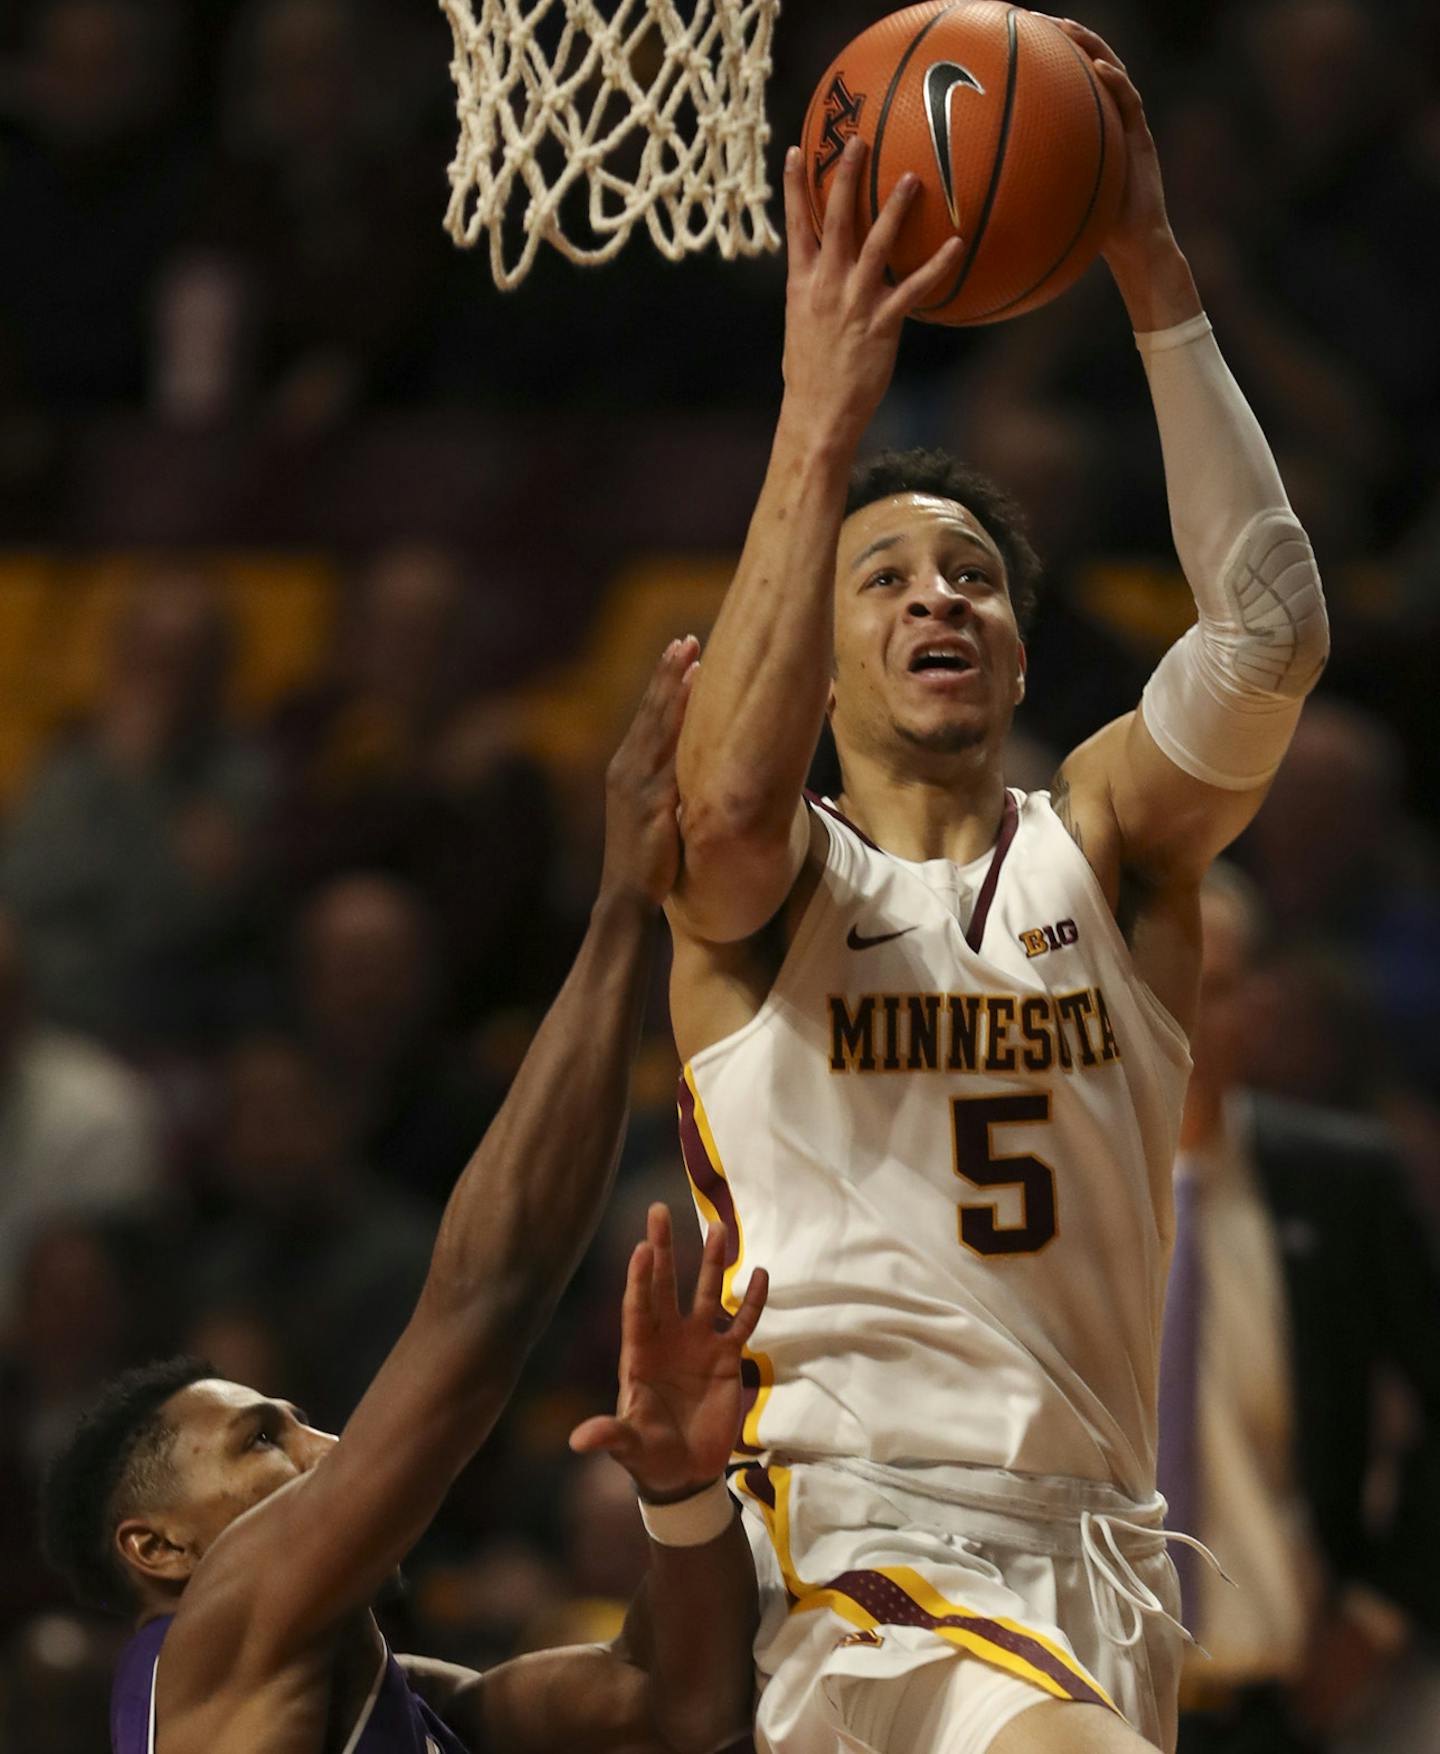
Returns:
(233, 1448)
(927, 653)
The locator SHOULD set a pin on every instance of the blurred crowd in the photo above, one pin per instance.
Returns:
(265, 972)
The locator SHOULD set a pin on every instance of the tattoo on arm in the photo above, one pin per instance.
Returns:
(1060, 803)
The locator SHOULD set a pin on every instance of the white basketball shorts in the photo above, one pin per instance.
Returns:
(917, 1610)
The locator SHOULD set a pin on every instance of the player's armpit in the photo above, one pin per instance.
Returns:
(717, 986)
(1138, 821)
(452, 1693)
(1136, 815)
(733, 880)
(1172, 825)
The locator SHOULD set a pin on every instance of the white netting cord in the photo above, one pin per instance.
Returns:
(700, 177)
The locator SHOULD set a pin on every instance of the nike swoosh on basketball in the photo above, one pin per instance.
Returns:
(940, 83)
(856, 942)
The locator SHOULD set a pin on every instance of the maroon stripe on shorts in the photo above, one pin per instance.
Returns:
(758, 1484)
(883, 1598)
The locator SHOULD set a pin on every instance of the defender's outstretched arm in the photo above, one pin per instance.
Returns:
(680, 1679)
(1169, 786)
(760, 700)
(285, 1574)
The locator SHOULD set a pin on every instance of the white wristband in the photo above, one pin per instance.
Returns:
(692, 1522)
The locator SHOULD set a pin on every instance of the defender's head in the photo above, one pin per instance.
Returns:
(935, 582)
(163, 1463)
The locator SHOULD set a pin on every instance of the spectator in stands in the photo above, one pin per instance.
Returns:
(356, 746)
(1301, 1274)
(78, 1130)
(128, 860)
(385, 767)
(81, 1312)
(95, 185)
(55, 1685)
(331, 1255)
(1348, 239)
(367, 988)
(1371, 890)
(323, 212)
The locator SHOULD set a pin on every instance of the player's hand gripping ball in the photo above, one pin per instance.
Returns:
(1018, 147)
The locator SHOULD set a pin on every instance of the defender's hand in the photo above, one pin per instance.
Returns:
(679, 1409)
(642, 837)
(842, 316)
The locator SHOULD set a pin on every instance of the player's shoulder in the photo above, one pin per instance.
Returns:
(830, 827)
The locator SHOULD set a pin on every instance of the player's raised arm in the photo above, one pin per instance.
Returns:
(681, 1675)
(285, 1575)
(752, 727)
(1173, 783)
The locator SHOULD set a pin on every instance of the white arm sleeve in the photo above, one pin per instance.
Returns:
(1224, 700)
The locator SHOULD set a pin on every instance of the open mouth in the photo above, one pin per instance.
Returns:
(939, 658)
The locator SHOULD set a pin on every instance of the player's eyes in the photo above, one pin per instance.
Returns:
(882, 579)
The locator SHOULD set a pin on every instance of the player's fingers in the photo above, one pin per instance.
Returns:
(1091, 41)
(657, 1230)
(916, 289)
(837, 246)
(650, 742)
(637, 1313)
(663, 685)
(687, 659)
(751, 1307)
(800, 241)
(603, 1433)
(710, 1281)
(875, 251)
(1122, 88)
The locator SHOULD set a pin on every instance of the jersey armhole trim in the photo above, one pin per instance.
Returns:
(367, 1711)
(1164, 1018)
(815, 910)
(817, 803)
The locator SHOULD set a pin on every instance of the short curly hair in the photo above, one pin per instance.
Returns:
(943, 476)
(116, 1463)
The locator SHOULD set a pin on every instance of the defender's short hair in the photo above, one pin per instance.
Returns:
(115, 1464)
(943, 476)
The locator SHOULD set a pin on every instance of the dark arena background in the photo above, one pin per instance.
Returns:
(287, 486)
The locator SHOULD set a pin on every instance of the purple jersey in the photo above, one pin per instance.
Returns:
(392, 1721)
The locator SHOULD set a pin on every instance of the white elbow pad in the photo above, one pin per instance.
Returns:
(1224, 700)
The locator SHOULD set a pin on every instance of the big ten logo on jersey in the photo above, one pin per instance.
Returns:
(842, 119)
(1060, 936)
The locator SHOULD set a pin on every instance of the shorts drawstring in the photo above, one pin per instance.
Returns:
(1105, 1563)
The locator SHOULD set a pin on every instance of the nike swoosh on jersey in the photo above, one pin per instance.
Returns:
(856, 942)
(941, 81)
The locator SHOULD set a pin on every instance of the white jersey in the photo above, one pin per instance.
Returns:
(949, 1133)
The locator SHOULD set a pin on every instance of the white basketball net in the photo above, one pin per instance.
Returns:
(658, 106)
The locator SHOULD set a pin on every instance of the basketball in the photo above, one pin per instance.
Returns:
(1017, 145)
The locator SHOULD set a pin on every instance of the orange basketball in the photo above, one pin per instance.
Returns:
(1017, 145)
